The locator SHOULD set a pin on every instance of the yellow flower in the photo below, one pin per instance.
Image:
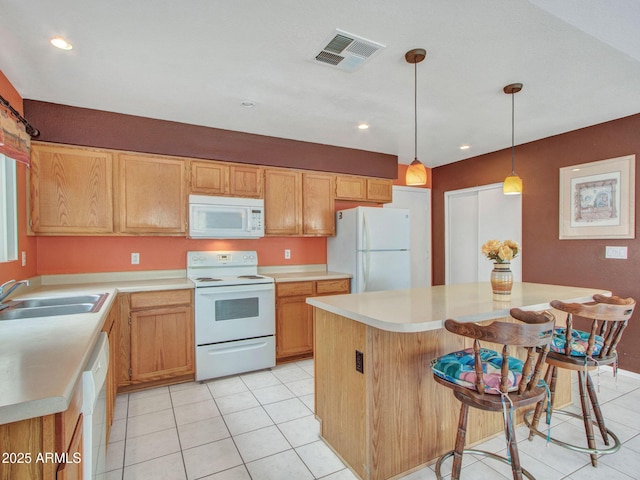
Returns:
(491, 247)
(505, 253)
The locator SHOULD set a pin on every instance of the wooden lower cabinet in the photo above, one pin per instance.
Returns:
(44, 448)
(294, 317)
(157, 339)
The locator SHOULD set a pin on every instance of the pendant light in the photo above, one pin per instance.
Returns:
(416, 173)
(513, 183)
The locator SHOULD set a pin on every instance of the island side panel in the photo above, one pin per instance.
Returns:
(412, 419)
(339, 389)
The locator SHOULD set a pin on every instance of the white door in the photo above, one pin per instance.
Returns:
(472, 217)
(418, 201)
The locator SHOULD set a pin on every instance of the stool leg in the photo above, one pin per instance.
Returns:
(596, 409)
(510, 434)
(460, 439)
(586, 415)
(549, 377)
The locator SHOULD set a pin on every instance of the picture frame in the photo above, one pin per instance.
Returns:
(597, 199)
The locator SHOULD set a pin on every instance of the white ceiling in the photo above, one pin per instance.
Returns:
(195, 61)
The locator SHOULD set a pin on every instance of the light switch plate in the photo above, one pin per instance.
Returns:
(615, 252)
(135, 259)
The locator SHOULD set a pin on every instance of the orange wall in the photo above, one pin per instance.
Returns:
(58, 255)
(15, 270)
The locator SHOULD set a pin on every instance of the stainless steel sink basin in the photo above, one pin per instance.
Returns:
(18, 313)
(55, 301)
(52, 306)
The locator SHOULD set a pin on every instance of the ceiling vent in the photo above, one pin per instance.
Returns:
(347, 51)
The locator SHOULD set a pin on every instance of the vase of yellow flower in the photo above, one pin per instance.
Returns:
(501, 276)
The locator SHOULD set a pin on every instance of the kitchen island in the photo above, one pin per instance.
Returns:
(375, 396)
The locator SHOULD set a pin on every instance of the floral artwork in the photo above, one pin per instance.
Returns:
(501, 252)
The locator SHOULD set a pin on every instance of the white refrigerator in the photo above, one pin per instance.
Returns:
(373, 245)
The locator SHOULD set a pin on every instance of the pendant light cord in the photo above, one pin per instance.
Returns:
(512, 134)
(415, 111)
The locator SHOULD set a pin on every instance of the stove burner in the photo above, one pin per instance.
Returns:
(208, 279)
(251, 277)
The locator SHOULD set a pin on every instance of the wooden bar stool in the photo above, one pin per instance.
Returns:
(496, 381)
(587, 350)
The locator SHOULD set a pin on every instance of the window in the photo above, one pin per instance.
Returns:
(8, 210)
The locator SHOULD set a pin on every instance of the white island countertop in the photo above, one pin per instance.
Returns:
(422, 309)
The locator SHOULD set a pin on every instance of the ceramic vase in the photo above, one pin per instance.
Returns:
(501, 282)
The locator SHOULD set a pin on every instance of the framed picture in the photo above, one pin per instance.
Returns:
(597, 199)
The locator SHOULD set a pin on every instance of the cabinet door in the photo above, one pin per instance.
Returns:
(71, 470)
(294, 327)
(318, 211)
(71, 190)
(351, 188)
(161, 343)
(379, 190)
(111, 328)
(209, 178)
(283, 202)
(124, 344)
(152, 195)
(245, 181)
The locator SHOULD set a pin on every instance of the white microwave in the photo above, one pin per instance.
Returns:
(225, 217)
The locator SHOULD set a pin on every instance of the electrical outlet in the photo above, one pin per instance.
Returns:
(615, 252)
(135, 259)
(24, 259)
(359, 361)
(287, 254)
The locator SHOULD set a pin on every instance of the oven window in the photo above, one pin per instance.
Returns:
(237, 308)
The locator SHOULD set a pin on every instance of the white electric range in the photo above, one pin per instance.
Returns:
(234, 313)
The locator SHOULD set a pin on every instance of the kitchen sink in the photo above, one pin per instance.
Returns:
(52, 306)
(55, 301)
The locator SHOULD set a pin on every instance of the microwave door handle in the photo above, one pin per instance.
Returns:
(248, 214)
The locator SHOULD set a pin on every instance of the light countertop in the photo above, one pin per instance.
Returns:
(41, 359)
(422, 309)
(307, 276)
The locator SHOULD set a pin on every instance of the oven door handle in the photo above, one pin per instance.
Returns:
(217, 291)
(237, 348)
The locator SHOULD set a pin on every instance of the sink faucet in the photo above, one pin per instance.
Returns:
(11, 285)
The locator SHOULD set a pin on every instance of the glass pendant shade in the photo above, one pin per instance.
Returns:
(512, 185)
(416, 173)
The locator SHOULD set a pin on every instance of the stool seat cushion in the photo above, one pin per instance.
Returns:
(459, 368)
(579, 342)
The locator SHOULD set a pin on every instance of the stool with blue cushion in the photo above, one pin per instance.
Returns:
(497, 381)
(607, 317)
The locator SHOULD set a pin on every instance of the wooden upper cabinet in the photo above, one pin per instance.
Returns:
(71, 190)
(283, 201)
(217, 178)
(318, 211)
(245, 181)
(152, 195)
(209, 178)
(364, 189)
(379, 190)
(351, 188)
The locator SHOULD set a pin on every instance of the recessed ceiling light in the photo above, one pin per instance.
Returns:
(247, 104)
(61, 43)
(465, 147)
(363, 126)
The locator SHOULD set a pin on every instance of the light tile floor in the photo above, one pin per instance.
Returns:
(260, 426)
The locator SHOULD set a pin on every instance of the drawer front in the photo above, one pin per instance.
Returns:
(325, 287)
(160, 299)
(293, 289)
